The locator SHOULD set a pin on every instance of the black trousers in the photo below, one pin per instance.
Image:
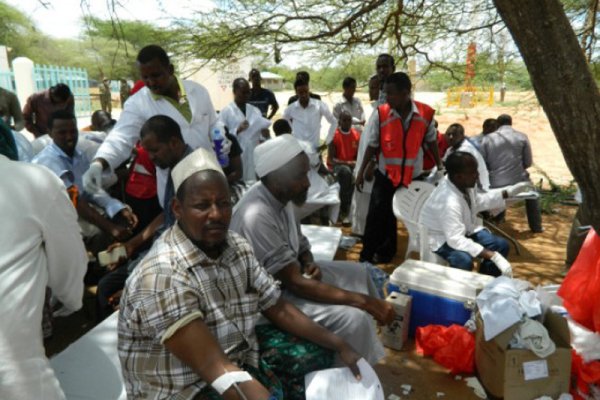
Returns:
(381, 235)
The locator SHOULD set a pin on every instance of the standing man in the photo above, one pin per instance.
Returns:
(303, 76)
(124, 90)
(396, 134)
(507, 153)
(105, 96)
(350, 104)
(41, 247)
(361, 199)
(384, 66)
(40, 105)
(305, 116)
(11, 109)
(187, 102)
(340, 296)
(246, 122)
(261, 97)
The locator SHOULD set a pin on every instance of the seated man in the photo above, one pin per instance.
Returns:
(338, 295)
(455, 135)
(189, 310)
(450, 214)
(507, 153)
(68, 163)
(341, 156)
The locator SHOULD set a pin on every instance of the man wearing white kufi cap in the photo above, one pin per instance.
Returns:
(338, 295)
(190, 307)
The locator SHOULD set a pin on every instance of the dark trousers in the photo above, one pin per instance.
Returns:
(463, 260)
(381, 233)
(576, 236)
(534, 215)
(345, 178)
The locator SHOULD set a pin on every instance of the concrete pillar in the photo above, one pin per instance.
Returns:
(23, 72)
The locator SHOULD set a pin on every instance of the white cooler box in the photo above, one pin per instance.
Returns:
(440, 295)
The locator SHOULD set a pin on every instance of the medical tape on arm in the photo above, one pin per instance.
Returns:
(228, 379)
(180, 324)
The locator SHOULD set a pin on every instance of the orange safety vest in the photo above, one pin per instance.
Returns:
(346, 145)
(400, 149)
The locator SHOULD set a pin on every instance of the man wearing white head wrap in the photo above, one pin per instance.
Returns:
(338, 295)
(192, 304)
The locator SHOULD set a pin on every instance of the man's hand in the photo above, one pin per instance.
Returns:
(439, 174)
(92, 178)
(312, 271)
(502, 264)
(130, 217)
(381, 310)
(359, 182)
(369, 173)
(119, 233)
(122, 260)
(350, 358)
(243, 126)
(520, 187)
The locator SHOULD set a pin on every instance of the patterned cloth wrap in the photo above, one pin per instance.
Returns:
(284, 360)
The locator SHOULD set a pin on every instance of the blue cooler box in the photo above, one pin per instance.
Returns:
(440, 295)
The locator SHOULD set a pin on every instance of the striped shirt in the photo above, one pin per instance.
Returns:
(175, 280)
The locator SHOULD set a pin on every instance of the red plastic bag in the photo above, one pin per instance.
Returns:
(584, 374)
(452, 347)
(580, 290)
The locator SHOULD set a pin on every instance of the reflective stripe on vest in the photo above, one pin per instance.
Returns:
(400, 149)
(408, 162)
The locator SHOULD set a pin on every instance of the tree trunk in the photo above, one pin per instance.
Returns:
(564, 86)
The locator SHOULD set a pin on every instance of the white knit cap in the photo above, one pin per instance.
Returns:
(275, 153)
(200, 160)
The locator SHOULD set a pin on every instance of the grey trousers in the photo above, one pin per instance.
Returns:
(355, 326)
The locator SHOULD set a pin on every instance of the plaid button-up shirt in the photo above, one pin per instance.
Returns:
(176, 279)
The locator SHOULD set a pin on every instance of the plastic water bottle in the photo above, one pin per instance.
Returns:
(218, 138)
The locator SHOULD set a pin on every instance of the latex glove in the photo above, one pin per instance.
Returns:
(502, 264)
(92, 178)
(520, 187)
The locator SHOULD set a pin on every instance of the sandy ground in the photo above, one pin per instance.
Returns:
(540, 262)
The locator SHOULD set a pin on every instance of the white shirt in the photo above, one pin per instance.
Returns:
(306, 122)
(355, 109)
(140, 107)
(231, 116)
(467, 147)
(40, 246)
(449, 219)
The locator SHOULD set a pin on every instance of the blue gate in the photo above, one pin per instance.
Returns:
(46, 76)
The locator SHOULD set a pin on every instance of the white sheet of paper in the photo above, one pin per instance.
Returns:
(339, 383)
(535, 370)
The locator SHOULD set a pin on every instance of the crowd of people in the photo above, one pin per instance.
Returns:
(196, 275)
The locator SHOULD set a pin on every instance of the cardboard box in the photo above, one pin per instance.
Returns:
(517, 374)
(395, 334)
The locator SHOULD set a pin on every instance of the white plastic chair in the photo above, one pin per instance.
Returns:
(425, 253)
(407, 206)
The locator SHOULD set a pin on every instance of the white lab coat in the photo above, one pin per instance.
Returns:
(231, 116)
(449, 218)
(140, 107)
(40, 246)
